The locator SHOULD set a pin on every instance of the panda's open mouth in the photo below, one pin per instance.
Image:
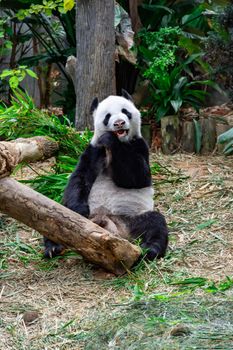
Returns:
(121, 132)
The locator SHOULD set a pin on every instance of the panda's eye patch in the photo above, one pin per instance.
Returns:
(129, 115)
(106, 119)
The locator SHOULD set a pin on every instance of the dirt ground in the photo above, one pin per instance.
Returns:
(63, 303)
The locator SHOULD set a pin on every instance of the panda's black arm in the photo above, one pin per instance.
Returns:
(80, 183)
(130, 161)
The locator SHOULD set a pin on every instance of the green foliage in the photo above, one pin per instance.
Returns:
(5, 30)
(176, 89)
(53, 184)
(53, 29)
(69, 5)
(170, 54)
(24, 119)
(227, 138)
(46, 7)
(158, 51)
(171, 79)
(219, 48)
(17, 75)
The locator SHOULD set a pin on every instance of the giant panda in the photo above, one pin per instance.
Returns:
(111, 184)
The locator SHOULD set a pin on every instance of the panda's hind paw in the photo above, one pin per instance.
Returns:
(52, 249)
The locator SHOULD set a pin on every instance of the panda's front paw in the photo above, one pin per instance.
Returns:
(107, 140)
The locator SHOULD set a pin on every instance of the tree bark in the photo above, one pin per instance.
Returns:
(188, 136)
(208, 126)
(24, 150)
(133, 10)
(64, 226)
(95, 56)
(170, 130)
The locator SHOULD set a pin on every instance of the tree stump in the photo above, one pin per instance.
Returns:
(170, 129)
(208, 126)
(188, 136)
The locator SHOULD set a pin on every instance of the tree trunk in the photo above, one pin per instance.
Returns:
(133, 10)
(64, 226)
(24, 150)
(95, 56)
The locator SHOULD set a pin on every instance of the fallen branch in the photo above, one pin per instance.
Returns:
(24, 150)
(63, 226)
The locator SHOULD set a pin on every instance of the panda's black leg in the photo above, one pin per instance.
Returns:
(52, 249)
(151, 228)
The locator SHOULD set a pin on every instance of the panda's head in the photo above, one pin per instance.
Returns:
(117, 114)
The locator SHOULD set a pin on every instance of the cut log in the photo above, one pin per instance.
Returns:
(24, 150)
(170, 129)
(188, 136)
(64, 226)
(208, 126)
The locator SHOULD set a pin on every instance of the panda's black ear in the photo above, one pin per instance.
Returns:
(126, 95)
(94, 105)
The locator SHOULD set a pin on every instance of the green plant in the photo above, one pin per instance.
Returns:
(171, 77)
(158, 51)
(24, 119)
(227, 138)
(17, 75)
(4, 31)
(175, 89)
(51, 27)
(53, 184)
(219, 47)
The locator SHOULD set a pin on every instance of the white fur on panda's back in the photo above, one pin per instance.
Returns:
(106, 198)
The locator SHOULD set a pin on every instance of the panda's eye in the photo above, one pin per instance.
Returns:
(129, 115)
(106, 119)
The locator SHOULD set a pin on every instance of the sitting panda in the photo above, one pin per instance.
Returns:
(112, 182)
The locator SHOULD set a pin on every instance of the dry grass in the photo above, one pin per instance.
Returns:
(80, 307)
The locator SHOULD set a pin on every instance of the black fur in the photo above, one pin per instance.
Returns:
(129, 115)
(106, 119)
(126, 95)
(94, 105)
(80, 183)
(130, 161)
(51, 248)
(129, 168)
(151, 228)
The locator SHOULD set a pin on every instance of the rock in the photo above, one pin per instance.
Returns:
(30, 317)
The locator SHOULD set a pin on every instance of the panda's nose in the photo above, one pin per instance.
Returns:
(119, 123)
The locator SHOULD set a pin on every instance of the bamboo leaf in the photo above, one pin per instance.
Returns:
(226, 136)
